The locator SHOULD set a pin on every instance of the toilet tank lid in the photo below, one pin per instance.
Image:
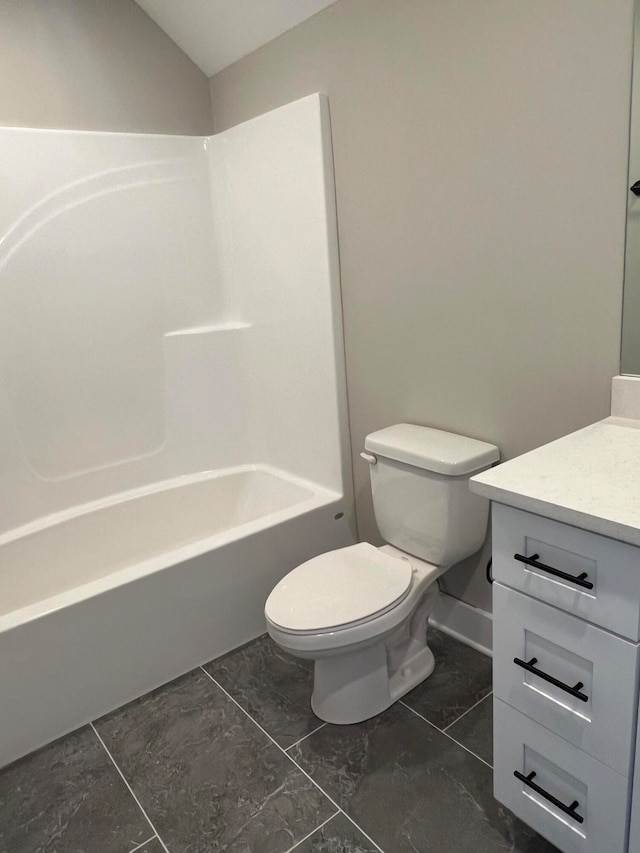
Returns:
(432, 449)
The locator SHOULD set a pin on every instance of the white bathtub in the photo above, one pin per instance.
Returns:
(102, 604)
(167, 305)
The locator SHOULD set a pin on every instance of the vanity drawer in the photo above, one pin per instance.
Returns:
(602, 576)
(597, 716)
(594, 797)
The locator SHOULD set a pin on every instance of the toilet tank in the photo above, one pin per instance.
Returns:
(420, 486)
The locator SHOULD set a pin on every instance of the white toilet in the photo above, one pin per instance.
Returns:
(360, 612)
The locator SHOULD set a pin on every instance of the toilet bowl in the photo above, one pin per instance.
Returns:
(361, 612)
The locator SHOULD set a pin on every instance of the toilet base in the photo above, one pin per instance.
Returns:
(351, 688)
(355, 686)
(417, 667)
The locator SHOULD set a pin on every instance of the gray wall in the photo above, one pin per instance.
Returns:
(480, 152)
(96, 65)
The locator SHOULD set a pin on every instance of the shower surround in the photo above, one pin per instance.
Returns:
(172, 403)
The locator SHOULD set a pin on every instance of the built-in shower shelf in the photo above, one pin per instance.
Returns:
(206, 330)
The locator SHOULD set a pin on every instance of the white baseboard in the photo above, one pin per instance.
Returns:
(466, 623)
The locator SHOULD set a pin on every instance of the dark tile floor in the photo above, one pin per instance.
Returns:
(230, 758)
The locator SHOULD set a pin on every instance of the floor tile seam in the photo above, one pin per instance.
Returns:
(294, 762)
(144, 843)
(321, 726)
(464, 713)
(452, 739)
(348, 816)
(253, 719)
(313, 832)
(156, 834)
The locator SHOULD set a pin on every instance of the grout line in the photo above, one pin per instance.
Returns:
(138, 846)
(295, 763)
(475, 705)
(313, 832)
(433, 726)
(113, 761)
(321, 726)
(342, 811)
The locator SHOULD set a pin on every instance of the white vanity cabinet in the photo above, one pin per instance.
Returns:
(566, 633)
(566, 628)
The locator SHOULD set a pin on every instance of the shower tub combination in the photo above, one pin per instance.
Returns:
(172, 396)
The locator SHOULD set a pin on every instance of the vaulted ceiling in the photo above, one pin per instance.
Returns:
(215, 33)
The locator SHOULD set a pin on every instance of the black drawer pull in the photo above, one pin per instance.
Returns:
(568, 810)
(573, 691)
(579, 580)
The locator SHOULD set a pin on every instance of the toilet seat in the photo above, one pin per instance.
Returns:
(346, 587)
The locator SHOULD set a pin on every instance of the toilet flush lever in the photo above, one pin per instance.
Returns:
(369, 457)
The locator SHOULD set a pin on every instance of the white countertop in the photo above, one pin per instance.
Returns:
(590, 478)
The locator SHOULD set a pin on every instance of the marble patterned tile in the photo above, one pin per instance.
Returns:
(409, 787)
(339, 835)
(68, 798)
(152, 846)
(462, 676)
(274, 687)
(206, 775)
(475, 730)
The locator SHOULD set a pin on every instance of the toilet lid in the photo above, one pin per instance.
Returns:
(337, 588)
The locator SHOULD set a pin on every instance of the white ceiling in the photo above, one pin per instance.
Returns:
(215, 33)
